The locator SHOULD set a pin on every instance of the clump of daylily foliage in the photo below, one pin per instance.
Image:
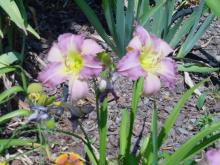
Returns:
(143, 44)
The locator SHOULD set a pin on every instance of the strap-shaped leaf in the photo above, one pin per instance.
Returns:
(183, 151)
(9, 92)
(192, 39)
(120, 26)
(196, 68)
(147, 14)
(129, 19)
(17, 14)
(9, 58)
(175, 113)
(214, 5)
(183, 30)
(124, 126)
(20, 112)
(93, 19)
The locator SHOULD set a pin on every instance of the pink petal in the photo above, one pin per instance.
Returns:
(55, 54)
(78, 89)
(168, 72)
(92, 67)
(161, 46)
(151, 85)
(129, 66)
(135, 44)
(68, 41)
(213, 157)
(52, 75)
(90, 47)
(143, 35)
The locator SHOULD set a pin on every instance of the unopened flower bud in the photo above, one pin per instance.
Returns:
(102, 85)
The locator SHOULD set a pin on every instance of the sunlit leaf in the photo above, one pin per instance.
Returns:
(20, 112)
(8, 58)
(214, 5)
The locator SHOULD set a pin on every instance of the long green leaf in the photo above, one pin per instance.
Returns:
(143, 147)
(108, 11)
(192, 39)
(17, 14)
(196, 68)
(120, 26)
(149, 13)
(129, 21)
(124, 126)
(90, 155)
(137, 91)
(8, 58)
(205, 143)
(214, 5)
(5, 70)
(93, 19)
(20, 112)
(186, 148)
(17, 142)
(175, 112)
(9, 92)
(11, 8)
(172, 30)
(183, 30)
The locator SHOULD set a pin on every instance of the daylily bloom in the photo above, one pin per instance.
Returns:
(147, 56)
(72, 58)
(68, 159)
(213, 157)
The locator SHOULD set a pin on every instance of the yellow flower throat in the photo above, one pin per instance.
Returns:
(73, 62)
(149, 60)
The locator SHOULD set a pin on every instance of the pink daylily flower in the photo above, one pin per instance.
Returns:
(72, 58)
(147, 56)
(213, 157)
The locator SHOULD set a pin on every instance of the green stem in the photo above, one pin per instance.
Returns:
(1, 47)
(154, 135)
(137, 90)
(103, 132)
(23, 47)
(88, 142)
(97, 100)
